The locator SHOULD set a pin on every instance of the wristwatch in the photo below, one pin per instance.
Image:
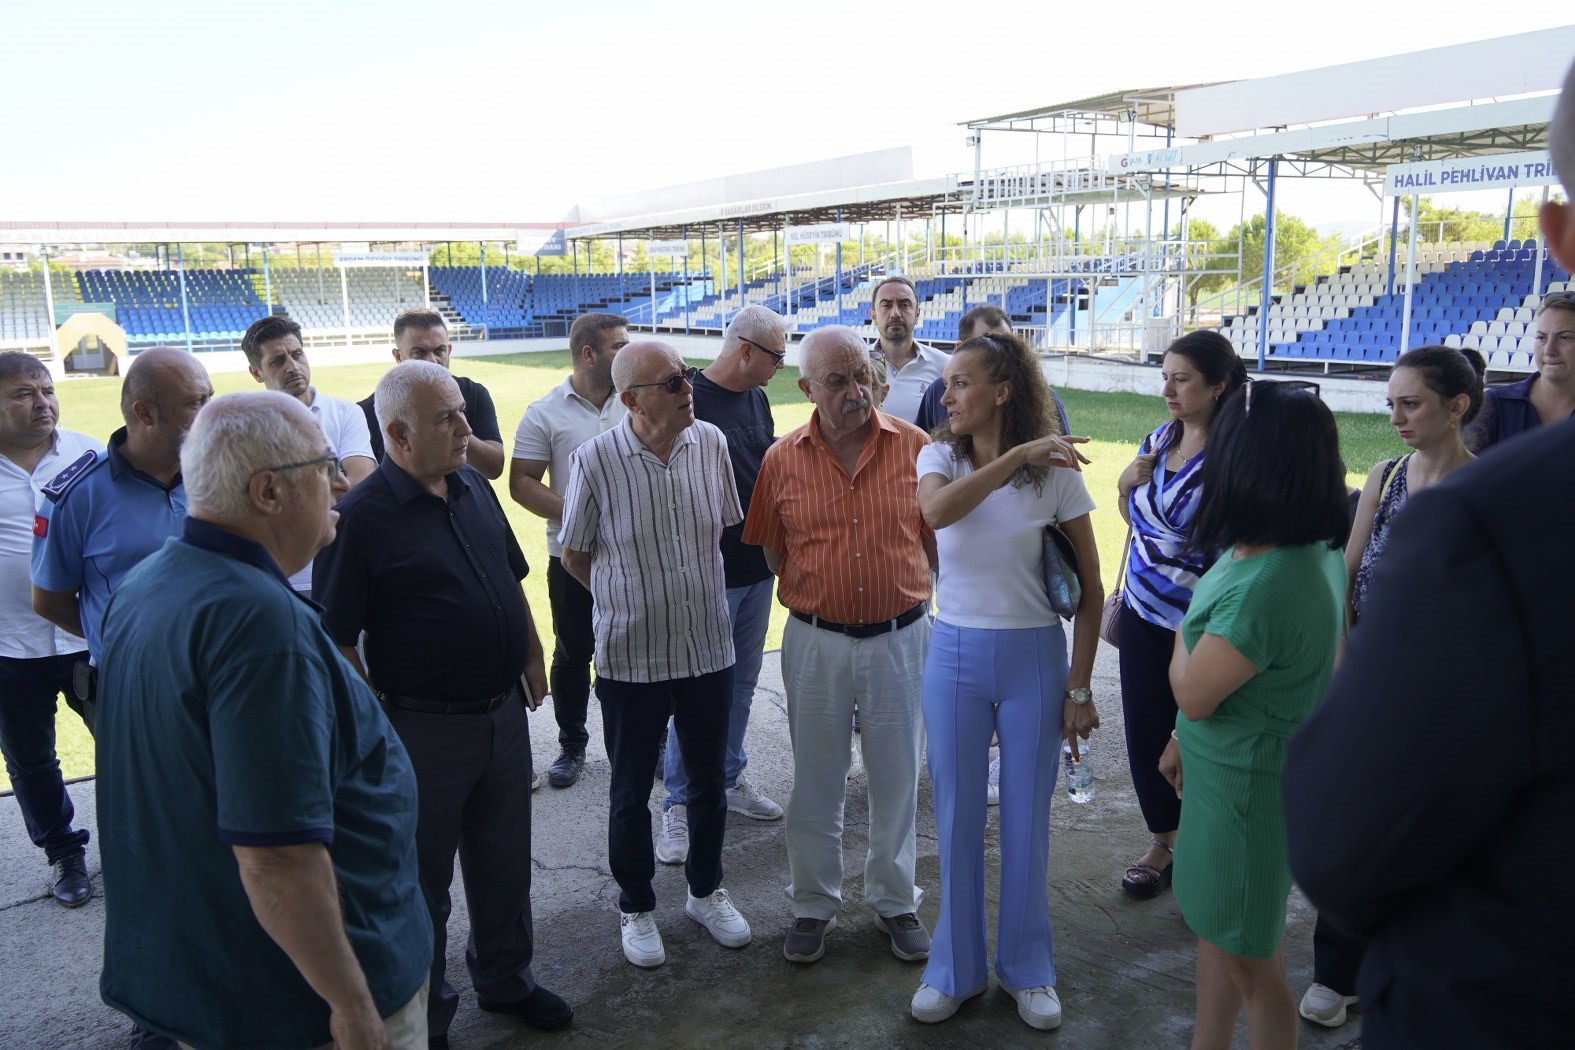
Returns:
(1080, 696)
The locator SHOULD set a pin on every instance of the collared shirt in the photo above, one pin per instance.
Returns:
(909, 382)
(227, 718)
(479, 413)
(852, 547)
(433, 582)
(25, 635)
(344, 425)
(556, 424)
(653, 529)
(94, 527)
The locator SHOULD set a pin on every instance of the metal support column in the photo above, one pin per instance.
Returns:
(1394, 242)
(1266, 292)
(685, 233)
(57, 363)
(1410, 280)
(185, 303)
(839, 270)
(486, 310)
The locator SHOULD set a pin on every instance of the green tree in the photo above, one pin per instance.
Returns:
(1217, 259)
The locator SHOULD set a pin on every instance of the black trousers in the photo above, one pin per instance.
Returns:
(573, 646)
(28, 688)
(634, 722)
(473, 774)
(1150, 710)
(1337, 956)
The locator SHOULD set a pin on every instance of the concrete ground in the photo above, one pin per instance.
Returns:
(1125, 968)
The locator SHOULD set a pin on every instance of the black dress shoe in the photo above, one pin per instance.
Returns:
(540, 1009)
(566, 770)
(71, 885)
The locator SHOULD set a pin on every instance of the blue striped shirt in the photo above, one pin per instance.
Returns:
(1161, 573)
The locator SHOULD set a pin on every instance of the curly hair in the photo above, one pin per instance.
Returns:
(1028, 414)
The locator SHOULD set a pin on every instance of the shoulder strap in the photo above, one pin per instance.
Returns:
(1391, 475)
(75, 470)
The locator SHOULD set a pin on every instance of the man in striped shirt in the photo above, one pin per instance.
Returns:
(836, 510)
(643, 516)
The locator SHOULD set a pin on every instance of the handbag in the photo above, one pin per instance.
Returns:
(1110, 615)
(1058, 562)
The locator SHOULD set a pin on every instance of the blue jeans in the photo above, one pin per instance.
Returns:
(27, 737)
(749, 609)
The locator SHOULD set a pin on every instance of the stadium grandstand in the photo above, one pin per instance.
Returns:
(1089, 254)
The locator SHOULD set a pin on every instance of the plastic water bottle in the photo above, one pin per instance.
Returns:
(1079, 772)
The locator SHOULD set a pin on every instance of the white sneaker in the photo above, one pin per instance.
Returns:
(642, 941)
(743, 797)
(720, 919)
(535, 777)
(1323, 1005)
(672, 842)
(855, 758)
(1038, 1007)
(992, 786)
(931, 1005)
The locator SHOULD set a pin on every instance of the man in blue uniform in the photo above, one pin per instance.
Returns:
(258, 813)
(109, 510)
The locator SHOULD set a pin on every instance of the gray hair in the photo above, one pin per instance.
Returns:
(234, 437)
(397, 389)
(755, 324)
(828, 336)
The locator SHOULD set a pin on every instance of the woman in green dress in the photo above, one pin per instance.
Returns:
(1252, 658)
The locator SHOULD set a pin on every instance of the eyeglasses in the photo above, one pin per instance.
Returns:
(774, 355)
(1288, 385)
(672, 384)
(328, 464)
(837, 382)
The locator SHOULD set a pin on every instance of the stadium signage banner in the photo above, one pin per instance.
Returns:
(411, 259)
(1470, 173)
(668, 249)
(826, 233)
(1146, 160)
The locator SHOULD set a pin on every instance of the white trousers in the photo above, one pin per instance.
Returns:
(825, 675)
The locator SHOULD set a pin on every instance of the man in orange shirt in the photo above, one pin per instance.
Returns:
(836, 511)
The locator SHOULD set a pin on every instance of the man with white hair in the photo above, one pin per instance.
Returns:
(729, 395)
(428, 568)
(836, 509)
(1457, 879)
(234, 737)
(642, 521)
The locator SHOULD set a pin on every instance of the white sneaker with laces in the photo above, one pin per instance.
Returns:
(1323, 1005)
(720, 919)
(930, 1005)
(672, 842)
(992, 787)
(1038, 1007)
(642, 941)
(743, 797)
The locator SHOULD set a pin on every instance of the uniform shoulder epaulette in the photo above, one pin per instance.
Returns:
(78, 469)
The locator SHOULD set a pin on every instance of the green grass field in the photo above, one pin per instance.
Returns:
(1115, 422)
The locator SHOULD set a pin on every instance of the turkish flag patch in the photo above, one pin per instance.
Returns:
(40, 525)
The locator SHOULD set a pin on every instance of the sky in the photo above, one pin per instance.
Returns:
(468, 110)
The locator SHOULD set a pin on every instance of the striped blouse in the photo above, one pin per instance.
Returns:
(654, 531)
(1161, 573)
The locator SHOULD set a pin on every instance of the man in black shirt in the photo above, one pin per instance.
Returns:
(422, 335)
(729, 395)
(426, 565)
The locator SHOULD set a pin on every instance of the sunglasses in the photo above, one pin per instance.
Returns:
(329, 464)
(673, 384)
(773, 354)
(1288, 385)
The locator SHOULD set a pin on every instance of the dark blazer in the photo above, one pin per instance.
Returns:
(1430, 800)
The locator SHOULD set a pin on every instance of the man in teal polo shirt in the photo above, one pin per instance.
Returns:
(257, 812)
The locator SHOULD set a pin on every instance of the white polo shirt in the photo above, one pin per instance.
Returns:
(344, 425)
(909, 383)
(24, 635)
(556, 424)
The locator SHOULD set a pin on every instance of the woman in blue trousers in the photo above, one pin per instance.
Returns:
(998, 472)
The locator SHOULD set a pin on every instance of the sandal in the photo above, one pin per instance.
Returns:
(1144, 881)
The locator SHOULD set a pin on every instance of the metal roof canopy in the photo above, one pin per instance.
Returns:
(185, 232)
(1152, 106)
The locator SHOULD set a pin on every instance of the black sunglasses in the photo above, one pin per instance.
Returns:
(672, 384)
(775, 356)
(1288, 385)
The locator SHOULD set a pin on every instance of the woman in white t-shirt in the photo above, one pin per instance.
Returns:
(997, 473)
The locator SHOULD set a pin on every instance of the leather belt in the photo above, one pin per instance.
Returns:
(432, 707)
(864, 630)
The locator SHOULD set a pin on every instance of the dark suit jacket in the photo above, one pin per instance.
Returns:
(1430, 800)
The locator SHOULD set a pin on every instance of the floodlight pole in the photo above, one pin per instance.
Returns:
(185, 304)
(1268, 267)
